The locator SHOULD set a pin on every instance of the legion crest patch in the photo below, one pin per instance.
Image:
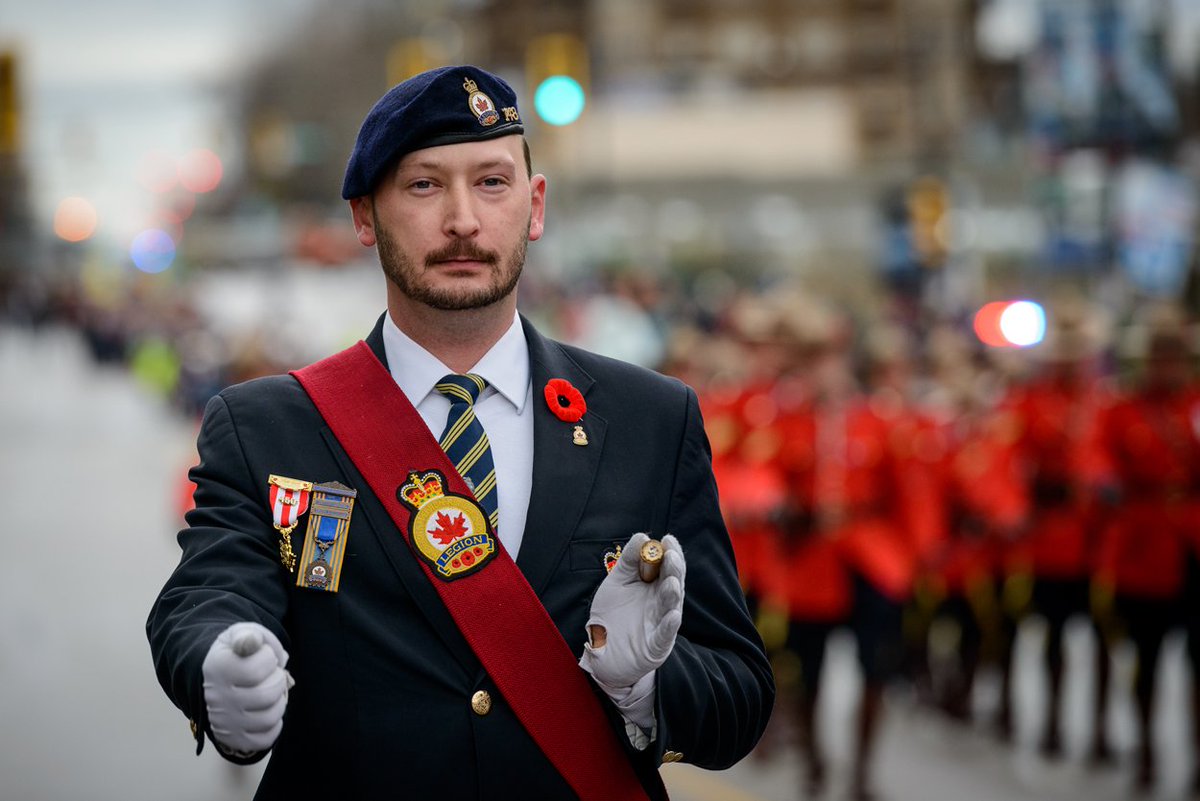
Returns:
(450, 532)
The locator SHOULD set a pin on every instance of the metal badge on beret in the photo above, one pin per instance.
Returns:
(450, 532)
(325, 540)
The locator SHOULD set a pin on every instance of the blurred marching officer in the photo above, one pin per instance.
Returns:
(1056, 418)
(984, 503)
(1151, 439)
(410, 569)
(846, 552)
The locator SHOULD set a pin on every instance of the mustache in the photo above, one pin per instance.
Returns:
(461, 249)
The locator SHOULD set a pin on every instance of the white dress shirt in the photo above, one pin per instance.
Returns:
(504, 409)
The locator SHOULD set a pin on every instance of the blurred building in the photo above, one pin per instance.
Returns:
(751, 137)
(958, 144)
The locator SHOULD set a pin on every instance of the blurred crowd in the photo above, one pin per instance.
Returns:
(893, 481)
(153, 329)
(893, 478)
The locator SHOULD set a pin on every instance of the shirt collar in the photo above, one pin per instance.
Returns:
(415, 370)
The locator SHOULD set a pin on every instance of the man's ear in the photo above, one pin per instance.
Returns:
(361, 210)
(537, 207)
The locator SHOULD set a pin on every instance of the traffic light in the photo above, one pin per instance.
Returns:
(928, 215)
(556, 70)
(10, 107)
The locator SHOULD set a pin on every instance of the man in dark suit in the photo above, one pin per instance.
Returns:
(357, 671)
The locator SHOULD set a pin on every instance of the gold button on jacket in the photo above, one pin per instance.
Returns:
(481, 702)
(671, 756)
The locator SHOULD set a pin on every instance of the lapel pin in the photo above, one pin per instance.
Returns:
(564, 400)
(611, 558)
(580, 436)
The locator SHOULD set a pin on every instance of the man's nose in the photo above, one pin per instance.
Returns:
(461, 217)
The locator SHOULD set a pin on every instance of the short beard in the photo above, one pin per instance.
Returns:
(402, 272)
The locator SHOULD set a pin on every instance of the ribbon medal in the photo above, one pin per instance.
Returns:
(450, 532)
(325, 538)
(289, 500)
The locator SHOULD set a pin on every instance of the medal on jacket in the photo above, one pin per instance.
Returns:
(289, 500)
(325, 538)
(450, 532)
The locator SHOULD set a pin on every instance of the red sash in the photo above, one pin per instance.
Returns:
(521, 649)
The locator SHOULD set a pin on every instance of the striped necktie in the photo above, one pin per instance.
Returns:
(466, 443)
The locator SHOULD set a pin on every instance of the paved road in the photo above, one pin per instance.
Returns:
(88, 467)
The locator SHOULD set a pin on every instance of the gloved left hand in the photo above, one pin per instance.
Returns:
(633, 624)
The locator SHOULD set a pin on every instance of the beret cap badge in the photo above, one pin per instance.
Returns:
(481, 105)
(428, 110)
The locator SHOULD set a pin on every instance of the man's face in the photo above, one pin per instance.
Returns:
(452, 222)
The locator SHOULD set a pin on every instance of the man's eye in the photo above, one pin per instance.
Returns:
(422, 184)
(493, 182)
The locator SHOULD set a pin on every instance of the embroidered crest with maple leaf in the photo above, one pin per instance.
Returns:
(449, 527)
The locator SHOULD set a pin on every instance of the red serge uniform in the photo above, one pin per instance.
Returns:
(744, 444)
(918, 447)
(879, 496)
(803, 570)
(1062, 465)
(984, 497)
(1151, 439)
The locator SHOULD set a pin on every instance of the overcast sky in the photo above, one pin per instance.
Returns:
(104, 83)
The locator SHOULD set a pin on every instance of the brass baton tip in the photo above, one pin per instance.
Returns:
(651, 560)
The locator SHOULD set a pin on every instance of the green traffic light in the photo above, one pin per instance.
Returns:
(559, 100)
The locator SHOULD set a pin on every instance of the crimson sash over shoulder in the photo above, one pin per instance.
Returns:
(428, 500)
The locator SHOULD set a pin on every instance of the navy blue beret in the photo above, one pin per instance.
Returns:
(439, 107)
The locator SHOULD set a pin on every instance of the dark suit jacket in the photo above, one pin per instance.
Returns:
(381, 706)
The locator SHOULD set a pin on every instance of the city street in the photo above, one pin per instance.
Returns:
(91, 465)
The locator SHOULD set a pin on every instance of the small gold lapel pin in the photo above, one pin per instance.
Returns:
(580, 436)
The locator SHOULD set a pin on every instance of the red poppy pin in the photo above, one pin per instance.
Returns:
(564, 400)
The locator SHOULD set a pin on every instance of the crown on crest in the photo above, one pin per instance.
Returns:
(470, 86)
(420, 490)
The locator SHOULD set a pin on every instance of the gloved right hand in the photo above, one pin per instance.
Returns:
(246, 687)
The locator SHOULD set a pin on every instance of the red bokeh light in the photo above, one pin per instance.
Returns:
(201, 171)
(987, 324)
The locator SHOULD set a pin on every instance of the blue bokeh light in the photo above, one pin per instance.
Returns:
(559, 100)
(152, 250)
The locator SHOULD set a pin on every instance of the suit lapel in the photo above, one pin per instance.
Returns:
(563, 472)
(374, 341)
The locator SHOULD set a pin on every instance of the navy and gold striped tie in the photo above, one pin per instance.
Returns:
(466, 443)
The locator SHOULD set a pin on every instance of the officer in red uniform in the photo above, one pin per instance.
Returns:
(849, 547)
(803, 579)
(740, 420)
(1152, 444)
(918, 444)
(1062, 467)
(985, 504)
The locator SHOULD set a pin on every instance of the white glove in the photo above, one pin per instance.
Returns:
(640, 620)
(246, 688)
